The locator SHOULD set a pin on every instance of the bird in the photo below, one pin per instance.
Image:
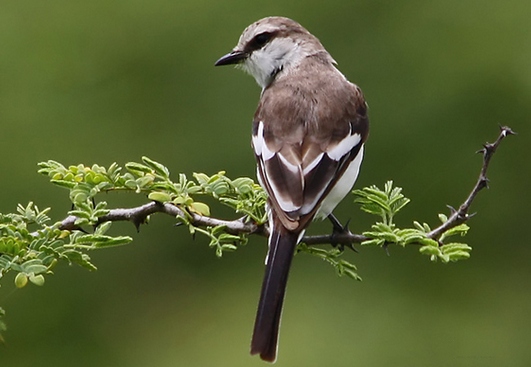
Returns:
(308, 136)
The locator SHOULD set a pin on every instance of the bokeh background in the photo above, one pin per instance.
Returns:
(110, 81)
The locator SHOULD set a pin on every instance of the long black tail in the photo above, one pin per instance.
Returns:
(282, 245)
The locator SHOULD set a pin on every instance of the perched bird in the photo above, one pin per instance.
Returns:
(308, 135)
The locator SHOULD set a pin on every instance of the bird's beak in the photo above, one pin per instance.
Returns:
(233, 57)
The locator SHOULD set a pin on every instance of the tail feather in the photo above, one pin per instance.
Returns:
(282, 244)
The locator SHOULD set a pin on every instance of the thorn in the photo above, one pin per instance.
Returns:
(452, 209)
(351, 246)
(347, 231)
(386, 249)
(345, 227)
(178, 224)
(137, 222)
(483, 183)
(342, 246)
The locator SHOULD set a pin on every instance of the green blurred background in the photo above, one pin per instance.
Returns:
(103, 81)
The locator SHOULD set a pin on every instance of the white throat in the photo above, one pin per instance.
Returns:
(279, 55)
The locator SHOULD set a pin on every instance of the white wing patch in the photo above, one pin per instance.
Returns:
(292, 167)
(259, 144)
(344, 146)
(264, 153)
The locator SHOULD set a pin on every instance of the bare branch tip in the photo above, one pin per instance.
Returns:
(506, 130)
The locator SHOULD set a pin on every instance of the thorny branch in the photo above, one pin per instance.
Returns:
(461, 215)
(138, 215)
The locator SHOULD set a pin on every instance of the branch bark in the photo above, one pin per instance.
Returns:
(138, 215)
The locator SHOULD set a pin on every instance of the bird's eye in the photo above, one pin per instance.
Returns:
(261, 39)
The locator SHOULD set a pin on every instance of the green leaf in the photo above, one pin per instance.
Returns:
(200, 208)
(63, 183)
(36, 267)
(77, 257)
(201, 178)
(460, 230)
(157, 167)
(333, 257)
(161, 197)
(422, 227)
(136, 168)
(430, 250)
(455, 247)
(428, 242)
(144, 181)
(100, 241)
(21, 280)
(103, 228)
(107, 241)
(384, 203)
(37, 279)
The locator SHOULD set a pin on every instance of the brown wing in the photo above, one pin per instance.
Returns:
(304, 138)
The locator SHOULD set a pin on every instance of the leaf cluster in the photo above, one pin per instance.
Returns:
(386, 204)
(333, 257)
(30, 247)
(152, 178)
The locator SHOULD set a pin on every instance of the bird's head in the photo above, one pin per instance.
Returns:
(272, 45)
